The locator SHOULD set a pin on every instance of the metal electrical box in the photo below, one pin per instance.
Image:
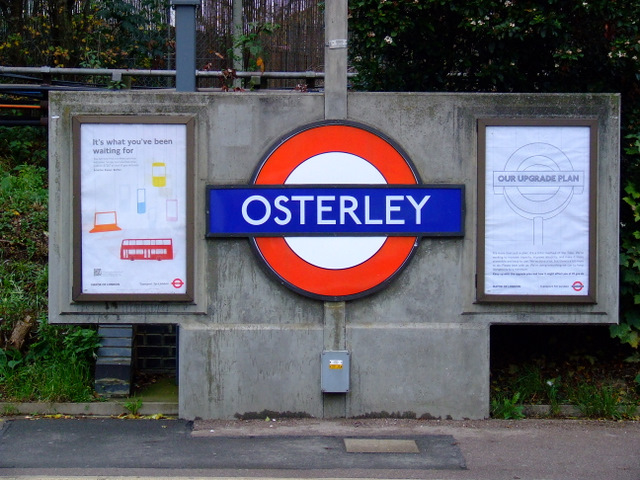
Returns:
(334, 376)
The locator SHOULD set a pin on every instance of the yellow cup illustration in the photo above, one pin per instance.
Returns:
(158, 174)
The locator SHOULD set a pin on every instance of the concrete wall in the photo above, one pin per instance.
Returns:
(248, 344)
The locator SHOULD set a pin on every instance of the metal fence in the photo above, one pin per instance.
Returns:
(24, 90)
(295, 45)
(292, 54)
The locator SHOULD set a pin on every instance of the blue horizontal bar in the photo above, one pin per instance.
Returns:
(301, 210)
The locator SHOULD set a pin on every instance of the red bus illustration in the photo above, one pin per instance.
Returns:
(146, 249)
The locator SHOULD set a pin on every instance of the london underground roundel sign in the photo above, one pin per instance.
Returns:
(335, 210)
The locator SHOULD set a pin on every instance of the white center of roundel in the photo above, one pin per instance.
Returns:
(334, 168)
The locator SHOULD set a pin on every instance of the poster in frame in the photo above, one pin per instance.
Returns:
(537, 210)
(133, 208)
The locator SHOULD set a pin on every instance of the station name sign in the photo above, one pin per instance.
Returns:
(283, 210)
(335, 210)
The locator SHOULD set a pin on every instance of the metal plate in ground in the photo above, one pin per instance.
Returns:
(380, 445)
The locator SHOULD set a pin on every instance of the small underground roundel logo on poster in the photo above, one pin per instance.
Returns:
(335, 210)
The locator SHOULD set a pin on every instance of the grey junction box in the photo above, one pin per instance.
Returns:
(334, 376)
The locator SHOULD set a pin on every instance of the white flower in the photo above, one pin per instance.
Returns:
(388, 39)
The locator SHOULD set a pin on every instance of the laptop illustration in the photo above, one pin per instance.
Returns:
(105, 222)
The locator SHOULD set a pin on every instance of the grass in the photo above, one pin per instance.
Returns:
(23, 245)
(48, 380)
(55, 363)
(58, 366)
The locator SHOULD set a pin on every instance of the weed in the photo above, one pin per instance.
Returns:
(133, 405)
(507, 408)
(597, 402)
(117, 85)
(553, 389)
(9, 360)
(531, 385)
(9, 409)
(249, 48)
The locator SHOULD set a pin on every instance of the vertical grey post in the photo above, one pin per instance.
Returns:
(185, 44)
(335, 59)
(238, 30)
(335, 108)
(334, 405)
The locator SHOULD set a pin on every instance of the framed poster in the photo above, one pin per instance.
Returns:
(536, 210)
(133, 212)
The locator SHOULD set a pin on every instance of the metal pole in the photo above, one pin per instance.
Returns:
(335, 59)
(185, 44)
(169, 67)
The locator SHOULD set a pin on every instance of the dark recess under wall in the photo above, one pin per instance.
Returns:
(155, 348)
(561, 350)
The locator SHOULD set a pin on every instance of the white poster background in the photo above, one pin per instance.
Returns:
(537, 210)
(133, 192)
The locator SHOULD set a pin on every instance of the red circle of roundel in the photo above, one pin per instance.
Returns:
(373, 273)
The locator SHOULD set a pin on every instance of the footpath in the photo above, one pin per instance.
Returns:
(112, 448)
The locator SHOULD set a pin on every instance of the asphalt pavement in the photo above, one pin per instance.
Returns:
(113, 448)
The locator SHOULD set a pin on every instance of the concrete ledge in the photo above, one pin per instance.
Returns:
(100, 409)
